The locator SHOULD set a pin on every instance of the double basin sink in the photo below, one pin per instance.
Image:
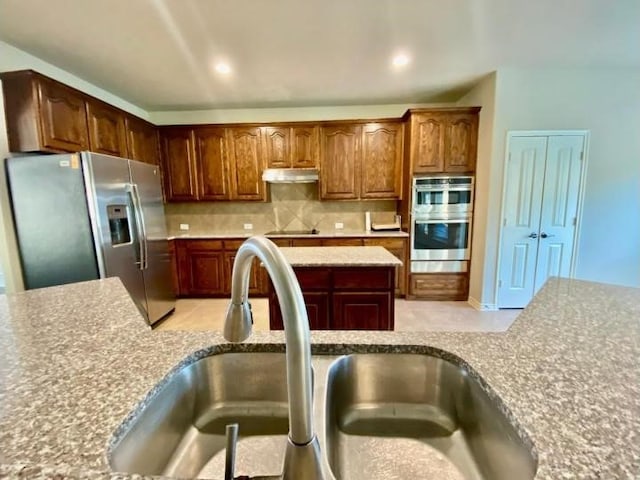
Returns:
(377, 416)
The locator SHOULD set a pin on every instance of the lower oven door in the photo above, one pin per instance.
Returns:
(447, 238)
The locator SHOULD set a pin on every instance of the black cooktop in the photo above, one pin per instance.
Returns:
(293, 232)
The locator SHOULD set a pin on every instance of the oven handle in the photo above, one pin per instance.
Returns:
(456, 188)
(442, 220)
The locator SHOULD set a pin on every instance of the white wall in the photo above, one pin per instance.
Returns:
(300, 114)
(483, 95)
(606, 102)
(12, 58)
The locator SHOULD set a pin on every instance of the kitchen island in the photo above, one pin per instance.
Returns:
(344, 288)
(77, 360)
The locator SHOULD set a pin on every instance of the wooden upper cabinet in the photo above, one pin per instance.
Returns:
(277, 148)
(63, 118)
(381, 160)
(461, 142)
(286, 146)
(444, 140)
(142, 140)
(427, 145)
(179, 164)
(304, 146)
(211, 163)
(245, 163)
(106, 129)
(340, 168)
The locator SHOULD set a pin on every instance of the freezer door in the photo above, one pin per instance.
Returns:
(51, 220)
(111, 210)
(158, 280)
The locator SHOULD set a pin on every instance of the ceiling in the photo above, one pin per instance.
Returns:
(159, 54)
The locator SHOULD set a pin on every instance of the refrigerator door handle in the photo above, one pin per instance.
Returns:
(139, 219)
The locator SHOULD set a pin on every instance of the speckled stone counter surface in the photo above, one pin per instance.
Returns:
(215, 234)
(339, 257)
(76, 360)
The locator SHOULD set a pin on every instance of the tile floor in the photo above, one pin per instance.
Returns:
(411, 316)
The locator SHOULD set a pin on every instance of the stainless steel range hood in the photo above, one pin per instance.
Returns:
(290, 175)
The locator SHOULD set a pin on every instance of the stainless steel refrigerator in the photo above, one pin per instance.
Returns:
(84, 216)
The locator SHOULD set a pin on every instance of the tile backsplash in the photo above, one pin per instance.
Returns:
(294, 206)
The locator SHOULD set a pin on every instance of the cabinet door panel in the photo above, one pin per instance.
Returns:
(277, 147)
(461, 143)
(381, 160)
(179, 165)
(199, 269)
(63, 117)
(361, 311)
(255, 286)
(428, 143)
(304, 147)
(106, 129)
(212, 167)
(142, 141)
(245, 164)
(340, 165)
(317, 304)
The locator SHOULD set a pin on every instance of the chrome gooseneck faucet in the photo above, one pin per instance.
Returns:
(302, 456)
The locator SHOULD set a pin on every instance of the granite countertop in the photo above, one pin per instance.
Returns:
(339, 257)
(75, 360)
(215, 234)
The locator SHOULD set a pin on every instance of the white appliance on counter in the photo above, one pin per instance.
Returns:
(442, 213)
(85, 216)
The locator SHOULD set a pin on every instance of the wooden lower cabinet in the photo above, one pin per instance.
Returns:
(204, 268)
(398, 248)
(362, 311)
(343, 298)
(439, 286)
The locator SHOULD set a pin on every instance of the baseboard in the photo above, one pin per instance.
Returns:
(483, 307)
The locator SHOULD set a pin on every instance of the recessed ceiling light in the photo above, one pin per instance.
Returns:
(401, 60)
(223, 68)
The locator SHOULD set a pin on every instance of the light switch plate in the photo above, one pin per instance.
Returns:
(248, 226)
(184, 226)
(339, 225)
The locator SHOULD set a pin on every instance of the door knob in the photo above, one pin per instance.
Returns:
(533, 235)
(544, 235)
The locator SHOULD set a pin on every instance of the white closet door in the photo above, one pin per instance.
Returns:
(522, 203)
(559, 207)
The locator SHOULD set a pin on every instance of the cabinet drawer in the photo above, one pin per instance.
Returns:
(436, 286)
(313, 278)
(388, 243)
(281, 242)
(342, 242)
(201, 244)
(232, 245)
(306, 242)
(363, 278)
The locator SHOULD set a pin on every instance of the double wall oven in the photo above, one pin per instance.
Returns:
(441, 223)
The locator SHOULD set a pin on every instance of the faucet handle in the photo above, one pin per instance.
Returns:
(231, 432)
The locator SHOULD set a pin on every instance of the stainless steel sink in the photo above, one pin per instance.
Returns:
(181, 432)
(406, 416)
(378, 416)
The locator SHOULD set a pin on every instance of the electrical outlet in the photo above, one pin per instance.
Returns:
(248, 226)
(339, 225)
(184, 226)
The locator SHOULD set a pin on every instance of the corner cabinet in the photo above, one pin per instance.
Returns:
(44, 115)
(178, 164)
(443, 140)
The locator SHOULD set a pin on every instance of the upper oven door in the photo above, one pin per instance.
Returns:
(441, 238)
(442, 195)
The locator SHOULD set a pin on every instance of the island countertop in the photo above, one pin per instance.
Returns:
(339, 257)
(75, 360)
